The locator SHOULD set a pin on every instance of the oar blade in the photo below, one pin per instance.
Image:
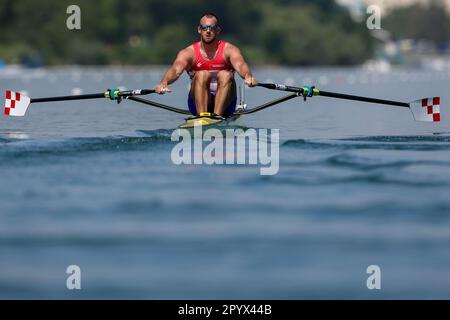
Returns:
(427, 109)
(16, 104)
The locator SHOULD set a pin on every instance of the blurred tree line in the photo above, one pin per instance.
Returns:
(291, 32)
(425, 21)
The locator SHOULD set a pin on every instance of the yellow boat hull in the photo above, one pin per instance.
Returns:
(205, 121)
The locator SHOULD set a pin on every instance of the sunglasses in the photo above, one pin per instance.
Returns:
(212, 27)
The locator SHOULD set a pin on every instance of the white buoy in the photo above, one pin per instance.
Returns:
(76, 91)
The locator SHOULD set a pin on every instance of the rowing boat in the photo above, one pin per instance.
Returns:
(206, 120)
(426, 109)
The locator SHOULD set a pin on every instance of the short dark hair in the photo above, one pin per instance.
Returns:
(211, 15)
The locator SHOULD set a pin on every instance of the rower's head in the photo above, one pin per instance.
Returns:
(209, 28)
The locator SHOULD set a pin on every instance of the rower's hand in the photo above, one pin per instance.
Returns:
(162, 88)
(250, 81)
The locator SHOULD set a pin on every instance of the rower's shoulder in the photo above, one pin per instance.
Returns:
(188, 50)
(187, 53)
(229, 46)
(230, 49)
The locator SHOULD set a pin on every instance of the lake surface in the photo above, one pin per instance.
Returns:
(92, 183)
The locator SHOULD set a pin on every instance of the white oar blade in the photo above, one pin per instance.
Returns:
(427, 109)
(16, 104)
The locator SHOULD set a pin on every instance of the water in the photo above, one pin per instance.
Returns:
(92, 184)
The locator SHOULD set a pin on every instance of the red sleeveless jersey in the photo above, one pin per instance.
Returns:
(213, 65)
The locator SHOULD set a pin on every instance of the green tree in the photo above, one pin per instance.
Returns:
(420, 22)
(149, 31)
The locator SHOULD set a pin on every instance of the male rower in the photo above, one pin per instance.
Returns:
(211, 64)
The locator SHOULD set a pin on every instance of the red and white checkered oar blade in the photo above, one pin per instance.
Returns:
(427, 109)
(16, 104)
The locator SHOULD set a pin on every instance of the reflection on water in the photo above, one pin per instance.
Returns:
(16, 135)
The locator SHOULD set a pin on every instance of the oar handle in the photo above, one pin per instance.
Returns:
(280, 87)
(140, 92)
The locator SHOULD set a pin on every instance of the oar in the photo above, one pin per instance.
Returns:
(427, 109)
(17, 104)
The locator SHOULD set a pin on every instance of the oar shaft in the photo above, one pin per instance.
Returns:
(68, 98)
(122, 94)
(363, 99)
(334, 95)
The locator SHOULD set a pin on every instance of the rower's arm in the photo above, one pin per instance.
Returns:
(238, 63)
(182, 61)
